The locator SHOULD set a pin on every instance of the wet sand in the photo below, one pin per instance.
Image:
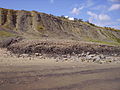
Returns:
(60, 76)
(38, 74)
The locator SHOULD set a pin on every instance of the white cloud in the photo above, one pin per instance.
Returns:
(114, 7)
(98, 17)
(89, 3)
(92, 14)
(102, 20)
(92, 17)
(103, 17)
(118, 20)
(51, 1)
(116, 27)
(99, 7)
(109, 24)
(76, 11)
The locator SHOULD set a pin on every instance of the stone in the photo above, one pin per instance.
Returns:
(37, 54)
(83, 54)
(24, 55)
(64, 56)
(68, 56)
(102, 57)
(115, 54)
(88, 53)
(96, 58)
(90, 56)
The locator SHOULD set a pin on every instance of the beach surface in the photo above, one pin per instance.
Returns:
(47, 74)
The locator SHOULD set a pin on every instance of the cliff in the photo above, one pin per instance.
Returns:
(34, 24)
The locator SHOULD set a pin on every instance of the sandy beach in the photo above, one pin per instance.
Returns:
(47, 74)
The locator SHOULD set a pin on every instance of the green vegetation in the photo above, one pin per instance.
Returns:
(34, 11)
(112, 29)
(112, 36)
(103, 42)
(7, 26)
(40, 28)
(118, 40)
(63, 18)
(5, 34)
(90, 23)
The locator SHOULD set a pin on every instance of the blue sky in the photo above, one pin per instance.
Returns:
(99, 12)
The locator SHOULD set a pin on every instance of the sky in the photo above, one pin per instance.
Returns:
(100, 12)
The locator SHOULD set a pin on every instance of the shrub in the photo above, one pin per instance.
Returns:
(90, 23)
(113, 29)
(40, 27)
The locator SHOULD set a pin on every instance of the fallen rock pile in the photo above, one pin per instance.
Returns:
(9, 41)
(63, 51)
(84, 57)
(62, 48)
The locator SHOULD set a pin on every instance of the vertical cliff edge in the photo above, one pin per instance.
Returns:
(34, 24)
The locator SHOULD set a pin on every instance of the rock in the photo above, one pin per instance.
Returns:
(79, 55)
(10, 40)
(24, 55)
(83, 54)
(68, 56)
(37, 54)
(88, 53)
(65, 59)
(64, 56)
(96, 58)
(90, 56)
(102, 57)
(115, 54)
(1, 82)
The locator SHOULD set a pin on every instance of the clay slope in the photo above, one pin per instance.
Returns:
(30, 24)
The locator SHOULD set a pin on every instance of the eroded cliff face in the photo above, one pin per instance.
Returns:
(41, 24)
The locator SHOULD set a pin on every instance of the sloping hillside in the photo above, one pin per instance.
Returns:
(32, 24)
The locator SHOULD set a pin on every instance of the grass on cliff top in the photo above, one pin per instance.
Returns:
(6, 34)
(105, 42)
